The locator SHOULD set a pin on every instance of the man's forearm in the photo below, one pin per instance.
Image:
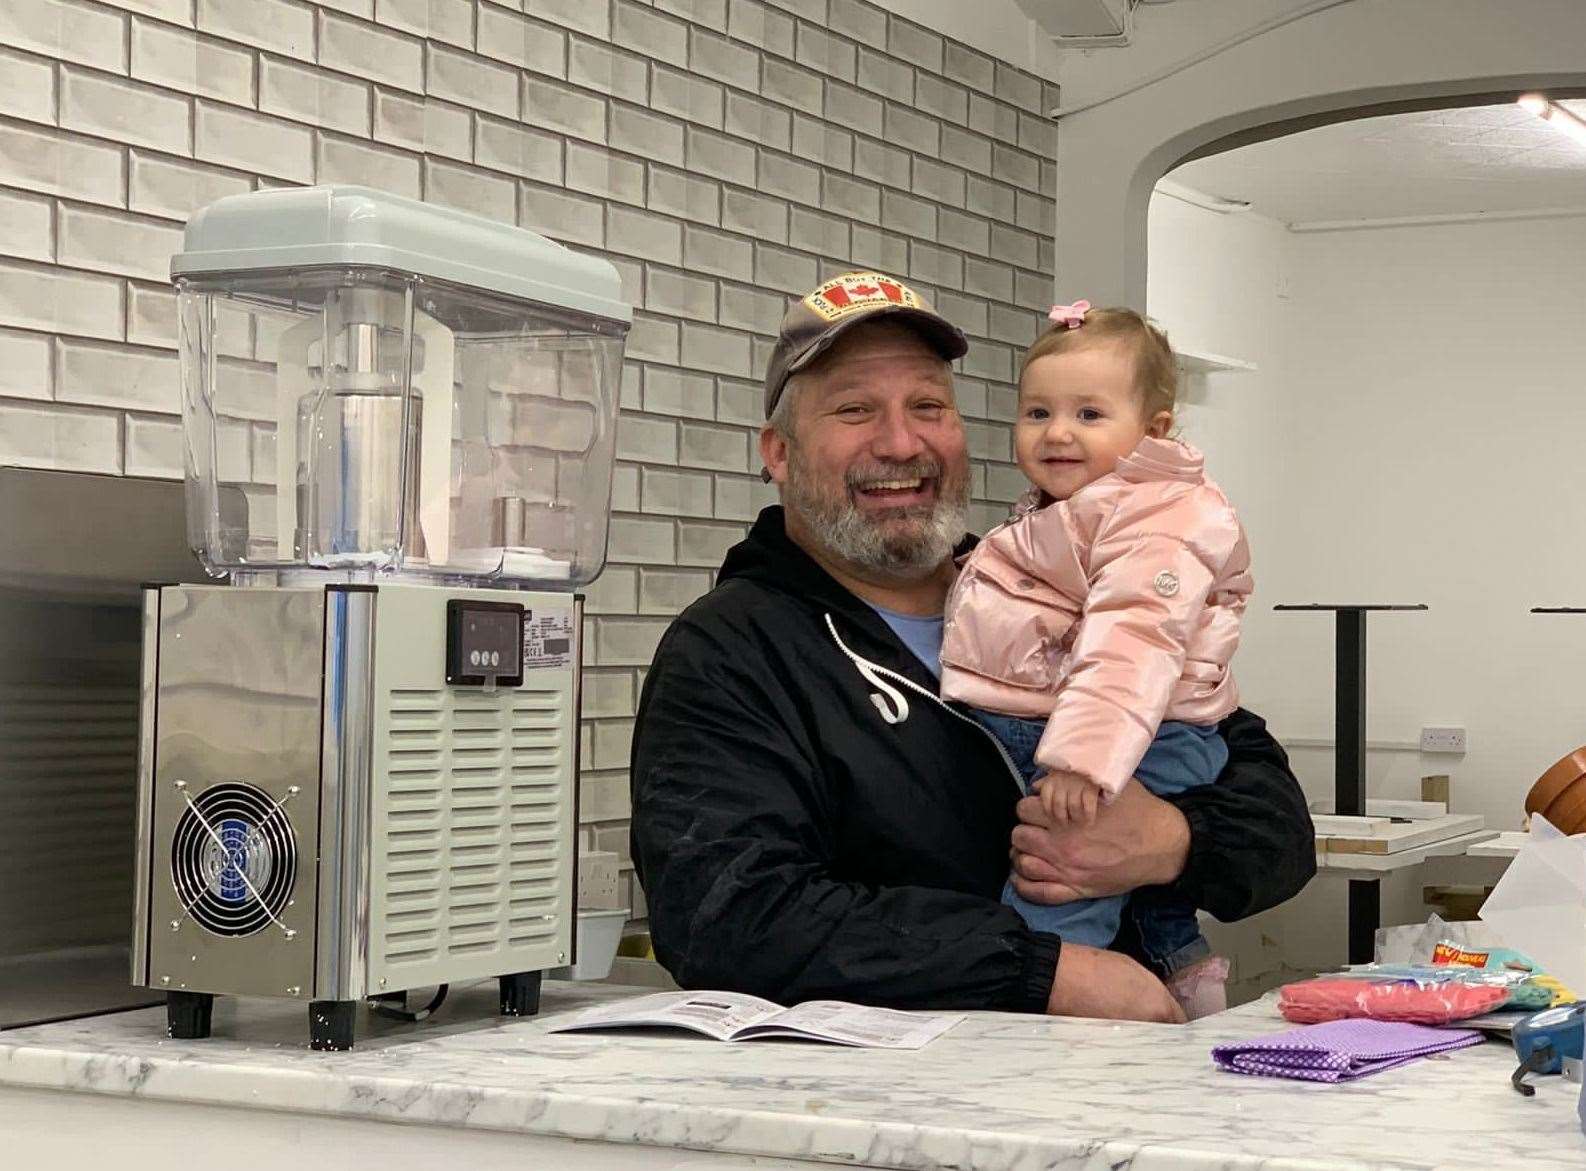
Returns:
(1165, 844)
(788, 935)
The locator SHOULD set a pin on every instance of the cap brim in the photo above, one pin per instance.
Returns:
(944, 337)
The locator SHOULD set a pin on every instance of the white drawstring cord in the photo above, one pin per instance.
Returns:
(877, 675)
(889, 701)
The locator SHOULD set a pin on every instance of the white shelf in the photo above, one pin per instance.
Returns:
(1201, 362)
(1372, 864)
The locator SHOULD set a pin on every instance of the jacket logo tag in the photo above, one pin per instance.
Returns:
(1166, 583)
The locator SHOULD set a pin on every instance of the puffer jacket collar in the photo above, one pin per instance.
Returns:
(1162, 459)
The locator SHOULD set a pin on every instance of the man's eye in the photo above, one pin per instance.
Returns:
(931, 408)
(852, 411)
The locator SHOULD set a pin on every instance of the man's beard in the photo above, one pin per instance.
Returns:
(906, 543)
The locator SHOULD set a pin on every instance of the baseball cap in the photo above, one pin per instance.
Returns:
(813, 325)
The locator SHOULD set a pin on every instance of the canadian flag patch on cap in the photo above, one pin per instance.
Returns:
(856, 292)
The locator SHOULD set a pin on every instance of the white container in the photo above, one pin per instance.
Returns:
(599, 933)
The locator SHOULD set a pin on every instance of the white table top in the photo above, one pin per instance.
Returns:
(998, 1093)
(1506, 845)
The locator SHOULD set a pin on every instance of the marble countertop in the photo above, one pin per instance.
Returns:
(999, 1093)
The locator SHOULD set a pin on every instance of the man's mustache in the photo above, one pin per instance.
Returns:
(875, 473)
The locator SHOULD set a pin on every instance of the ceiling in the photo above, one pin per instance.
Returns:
(1434, 163)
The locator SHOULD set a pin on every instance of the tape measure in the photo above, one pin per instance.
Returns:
(1547, 1041)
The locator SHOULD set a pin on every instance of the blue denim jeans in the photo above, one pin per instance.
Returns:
(1183, 756)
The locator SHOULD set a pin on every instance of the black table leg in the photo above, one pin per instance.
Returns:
(1349, 715)
(1365, 915)
(1349, 758)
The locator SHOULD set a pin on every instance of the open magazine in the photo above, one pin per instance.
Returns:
(729, 1016)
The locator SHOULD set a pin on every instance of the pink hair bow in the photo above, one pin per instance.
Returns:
(1071, 316)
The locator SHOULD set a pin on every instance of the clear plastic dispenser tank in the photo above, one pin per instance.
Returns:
(375, 388)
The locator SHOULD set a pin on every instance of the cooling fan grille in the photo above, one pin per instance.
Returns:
(234, 859)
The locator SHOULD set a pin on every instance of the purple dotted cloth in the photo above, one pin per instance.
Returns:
(1339, 1051)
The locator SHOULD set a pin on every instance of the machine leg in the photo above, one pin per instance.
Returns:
(520, 994)
(394, 1000)
(330, 1024)
(1365, 916)
(187, 1014)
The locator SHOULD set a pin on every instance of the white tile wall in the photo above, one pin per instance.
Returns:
(724, 154)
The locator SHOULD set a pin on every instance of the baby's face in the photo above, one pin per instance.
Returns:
(1079, 414)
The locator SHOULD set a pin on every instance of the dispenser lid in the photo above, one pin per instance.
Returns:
(348, 226)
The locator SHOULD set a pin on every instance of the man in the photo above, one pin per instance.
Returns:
(809, 820)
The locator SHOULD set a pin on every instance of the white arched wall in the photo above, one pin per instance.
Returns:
(1368, 56)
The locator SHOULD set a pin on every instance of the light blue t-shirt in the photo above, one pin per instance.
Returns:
(923, 636)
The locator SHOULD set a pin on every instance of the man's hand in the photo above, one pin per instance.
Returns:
(1091, 982)
(1069, 799)
(1138, 840)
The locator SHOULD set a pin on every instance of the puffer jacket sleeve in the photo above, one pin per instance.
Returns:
(1252, 844)
(732, 834)
(1153, 562)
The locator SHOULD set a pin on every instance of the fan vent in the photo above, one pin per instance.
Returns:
(234, 859)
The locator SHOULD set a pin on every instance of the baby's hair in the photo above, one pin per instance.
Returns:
(1155, 370)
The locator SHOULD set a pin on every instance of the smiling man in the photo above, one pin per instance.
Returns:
(809, 819)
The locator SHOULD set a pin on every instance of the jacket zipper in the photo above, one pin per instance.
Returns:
(866, 668)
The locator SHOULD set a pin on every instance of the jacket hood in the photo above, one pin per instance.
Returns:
(770, 558)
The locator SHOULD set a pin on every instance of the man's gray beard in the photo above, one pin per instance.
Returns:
(865, 542)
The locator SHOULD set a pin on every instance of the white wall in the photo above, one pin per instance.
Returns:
(1163, 36)
(1411, 435)
(998, 27)
(1438, 373)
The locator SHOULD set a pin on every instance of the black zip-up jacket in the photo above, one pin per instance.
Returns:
(810, 821)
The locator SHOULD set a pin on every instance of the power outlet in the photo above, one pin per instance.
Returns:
(1445, 739)
(598, 876)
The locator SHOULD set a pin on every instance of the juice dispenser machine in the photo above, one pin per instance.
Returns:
(358, 758)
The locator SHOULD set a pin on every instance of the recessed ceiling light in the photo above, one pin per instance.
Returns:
(1563, 120)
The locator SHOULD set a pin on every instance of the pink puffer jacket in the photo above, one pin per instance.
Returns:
(1106, 613)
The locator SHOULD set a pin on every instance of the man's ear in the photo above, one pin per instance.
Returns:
(774, 453)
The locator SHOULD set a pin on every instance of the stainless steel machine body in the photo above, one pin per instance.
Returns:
(323, 817)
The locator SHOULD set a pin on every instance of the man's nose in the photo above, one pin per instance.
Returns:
(897, 437)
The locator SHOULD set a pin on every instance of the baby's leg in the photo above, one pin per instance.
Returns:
(1093, 922)
(1183, 756)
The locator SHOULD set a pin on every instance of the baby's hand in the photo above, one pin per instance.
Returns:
(1069, 799)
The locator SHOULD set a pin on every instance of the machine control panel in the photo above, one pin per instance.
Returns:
(484, 644)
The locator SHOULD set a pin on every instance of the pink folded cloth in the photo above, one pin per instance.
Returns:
(1339, 1051)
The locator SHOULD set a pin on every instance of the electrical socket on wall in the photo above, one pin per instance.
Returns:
(1443, 739)
(598, 875)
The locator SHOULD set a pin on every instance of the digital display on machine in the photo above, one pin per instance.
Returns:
(484, 642)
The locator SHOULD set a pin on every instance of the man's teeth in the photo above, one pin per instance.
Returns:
(893, 485)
